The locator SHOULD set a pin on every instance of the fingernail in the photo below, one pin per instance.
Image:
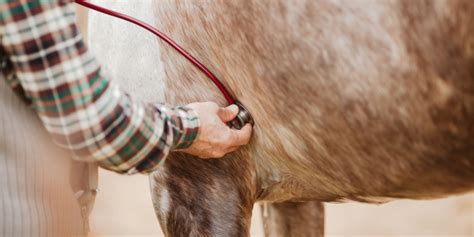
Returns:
(233, 108)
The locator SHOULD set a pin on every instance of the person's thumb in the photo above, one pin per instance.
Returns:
(228, 113)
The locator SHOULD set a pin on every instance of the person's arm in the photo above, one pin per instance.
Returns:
(78, 105)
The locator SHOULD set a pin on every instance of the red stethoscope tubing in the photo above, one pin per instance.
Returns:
(168, 40)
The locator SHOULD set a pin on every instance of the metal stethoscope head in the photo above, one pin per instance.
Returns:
(242, 118)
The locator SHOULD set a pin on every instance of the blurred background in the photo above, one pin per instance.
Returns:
(124, 208)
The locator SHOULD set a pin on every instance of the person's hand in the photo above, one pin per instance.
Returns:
(215, 138)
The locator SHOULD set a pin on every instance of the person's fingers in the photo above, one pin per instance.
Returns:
(242, 136)
(228, 113)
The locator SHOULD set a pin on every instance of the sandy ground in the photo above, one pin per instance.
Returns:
(124, 208)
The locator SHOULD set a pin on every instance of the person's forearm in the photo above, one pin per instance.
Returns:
(81, 109)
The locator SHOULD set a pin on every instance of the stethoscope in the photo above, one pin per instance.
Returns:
(242, 118)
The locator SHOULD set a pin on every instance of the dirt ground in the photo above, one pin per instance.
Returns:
(124, 209)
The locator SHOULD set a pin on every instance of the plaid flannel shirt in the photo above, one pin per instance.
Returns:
(47, 63)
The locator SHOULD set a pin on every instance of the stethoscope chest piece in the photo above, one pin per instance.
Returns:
(242, 118)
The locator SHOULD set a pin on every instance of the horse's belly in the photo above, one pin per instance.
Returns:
(350, 99)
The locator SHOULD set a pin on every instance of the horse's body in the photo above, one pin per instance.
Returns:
(360, 100)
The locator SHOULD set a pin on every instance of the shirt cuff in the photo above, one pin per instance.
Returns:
(186, 127)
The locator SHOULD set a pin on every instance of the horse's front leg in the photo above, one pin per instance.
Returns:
(294, 219)
(194, 197)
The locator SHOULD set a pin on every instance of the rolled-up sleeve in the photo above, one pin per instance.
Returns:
(82, 109)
